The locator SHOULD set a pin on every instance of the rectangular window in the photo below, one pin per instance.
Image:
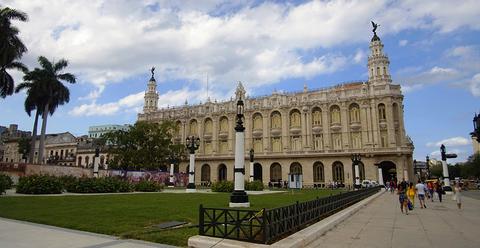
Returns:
(276, 144)
(208, 147)
(258, 145)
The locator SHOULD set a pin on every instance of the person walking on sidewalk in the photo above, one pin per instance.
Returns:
(439, 190)
(430, 190)
(411, 194)
(421, 193)
(402, 198)
(458, 195)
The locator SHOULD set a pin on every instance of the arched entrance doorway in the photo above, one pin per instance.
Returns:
(257, 172)
(222, 172)
(276, 174)
(205, 174)
(337, 172)
(295, 179)
(389, 171)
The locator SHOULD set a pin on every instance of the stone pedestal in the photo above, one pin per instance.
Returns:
(446, 177)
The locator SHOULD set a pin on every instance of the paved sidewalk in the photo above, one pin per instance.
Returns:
(381, 224)
(20, 234)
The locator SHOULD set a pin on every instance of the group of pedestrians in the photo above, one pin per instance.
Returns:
(423, 191)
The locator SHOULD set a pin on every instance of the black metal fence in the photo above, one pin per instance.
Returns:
(269, 225)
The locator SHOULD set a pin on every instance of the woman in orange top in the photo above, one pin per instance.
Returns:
(411, 193)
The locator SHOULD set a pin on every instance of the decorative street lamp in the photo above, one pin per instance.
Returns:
(427, 160)
(356, 160)
(252, 154)
(239, 197)
(192, 145)
(96, 161)
(476, 126)
(446, 155)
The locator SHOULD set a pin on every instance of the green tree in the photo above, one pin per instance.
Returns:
(144, 146)
(32, 102)
(11, 48)
(471, 169)
(436, 170)
(52, 92)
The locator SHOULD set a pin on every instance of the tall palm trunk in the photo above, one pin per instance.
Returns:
(34, 139)
(42, 135)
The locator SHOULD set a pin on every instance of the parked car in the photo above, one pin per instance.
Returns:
(374, 183)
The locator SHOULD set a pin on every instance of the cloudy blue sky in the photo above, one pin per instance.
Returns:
(433, 48)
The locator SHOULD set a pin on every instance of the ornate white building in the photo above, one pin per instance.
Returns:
(312, 133)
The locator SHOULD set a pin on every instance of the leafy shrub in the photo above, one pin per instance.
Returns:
(222, 186)
(254, 186)
(148, 186)
(5, 183)
(39, 184)
(99, 185)
(68, 182)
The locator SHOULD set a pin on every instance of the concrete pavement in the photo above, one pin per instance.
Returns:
(20, 234)
(381, 224)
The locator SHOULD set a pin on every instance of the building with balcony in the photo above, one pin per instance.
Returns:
(312, 133)
(97, 131)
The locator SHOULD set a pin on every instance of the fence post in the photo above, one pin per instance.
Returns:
(265, 226)
(201, 221)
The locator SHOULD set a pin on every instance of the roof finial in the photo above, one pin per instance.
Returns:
(153, 73)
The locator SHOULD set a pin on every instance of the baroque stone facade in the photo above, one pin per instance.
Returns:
(312, 133)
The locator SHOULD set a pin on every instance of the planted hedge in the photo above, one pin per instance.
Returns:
(222, 186)
(5, 183)
(39, 184)
(99, 185)
(254, 186)
(148, 186)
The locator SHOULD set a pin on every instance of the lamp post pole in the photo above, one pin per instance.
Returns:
(252, 154)
(427, 160)
(476, 126)
(96, 161)
(173, 160)
(192, 145)
(239, 197)
(356, 160)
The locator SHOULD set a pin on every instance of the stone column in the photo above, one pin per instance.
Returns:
(172, 168)
(345, 129)
(239, 197)
(96, 162)
(191, 174)
(446, 178)
(380, 176)
(390, 124)
(327, 141)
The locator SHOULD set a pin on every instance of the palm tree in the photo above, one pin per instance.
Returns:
(32, 102)
(11, 48)
(51, 91)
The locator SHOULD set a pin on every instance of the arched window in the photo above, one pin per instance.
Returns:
(275, 172)
(276, 120)
(384, 70)
(381, 112)
(87, 160)
(295, 118)
(223, 124)
(354, 113)
(208, 126)
(318, 172)
(317, 117)
(222, 172)
(193, 127)
(335, 115)
(79, 161)
(257, 121)
(205, 173)
(337, 172)
(102, 160)
(296, 168)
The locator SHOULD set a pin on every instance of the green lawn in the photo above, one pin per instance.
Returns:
(132, 215)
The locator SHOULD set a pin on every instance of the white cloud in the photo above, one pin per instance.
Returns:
(360, 56)
(402, 43)
(107, 41)
(454, 141)
(413, 79)
(475, 85)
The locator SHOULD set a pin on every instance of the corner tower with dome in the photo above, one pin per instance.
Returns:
(304, 138)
